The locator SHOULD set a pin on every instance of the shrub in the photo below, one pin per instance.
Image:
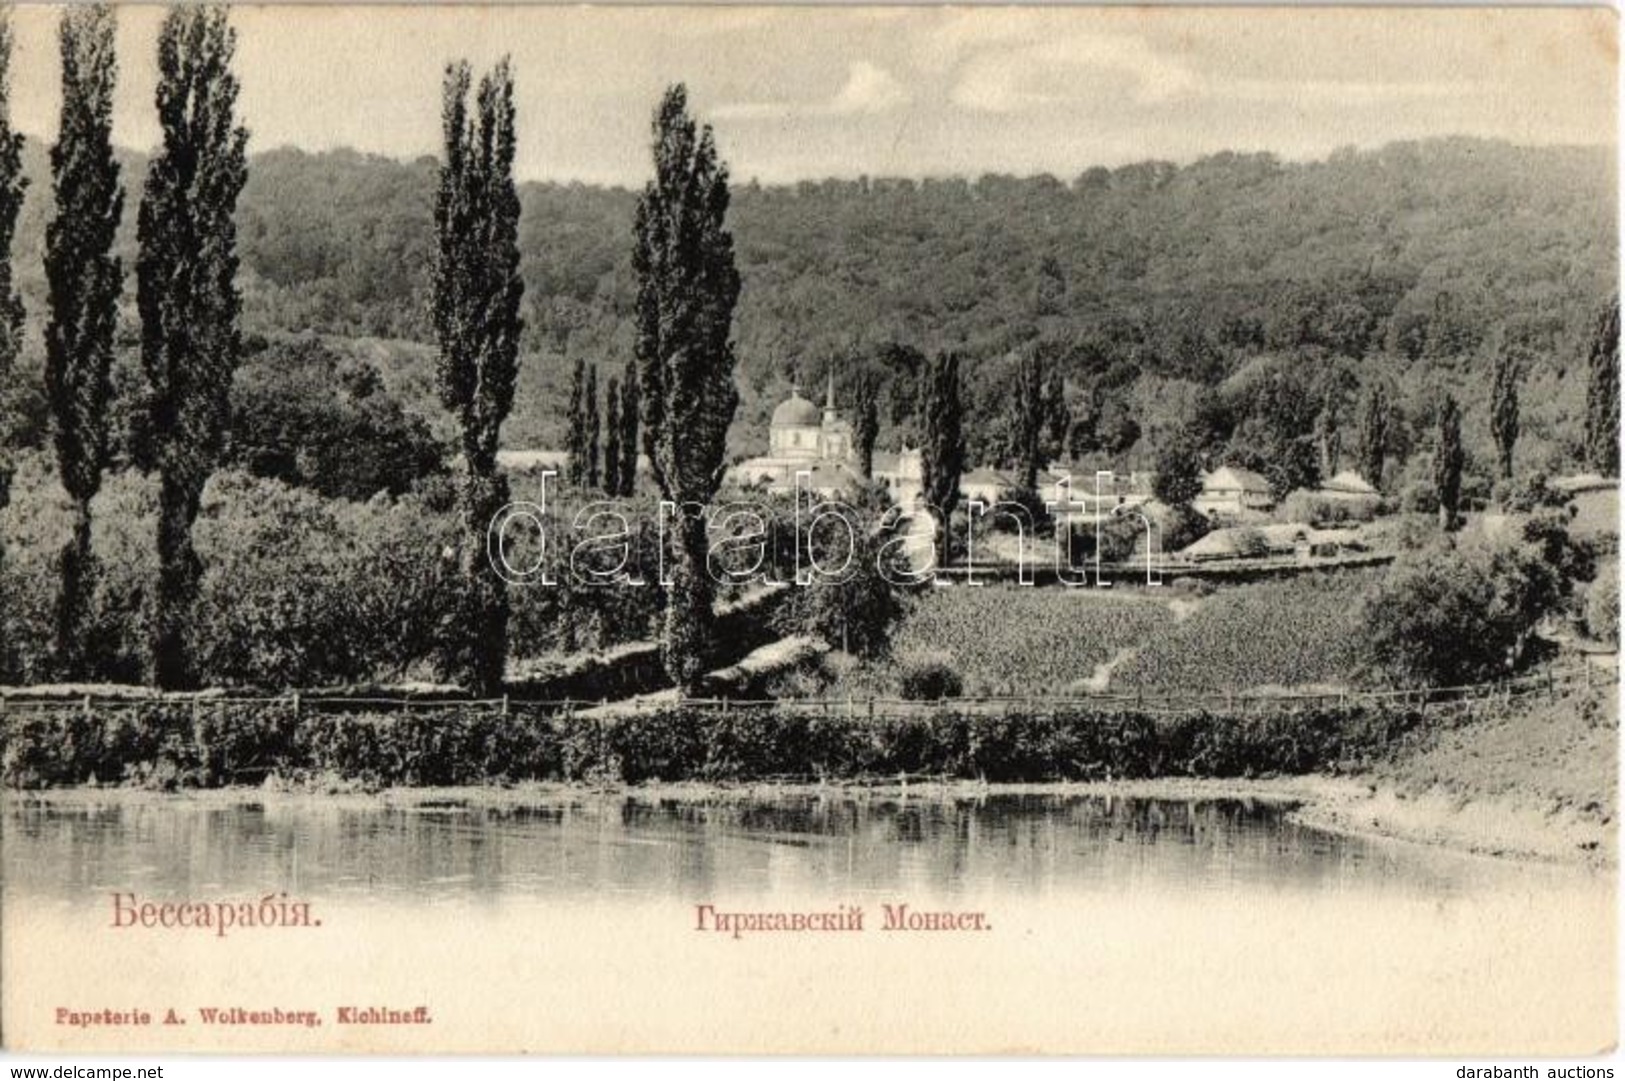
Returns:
(302, 416)
(1020, 509)
(1527, 494)
(930, 681)
(1419, 497)
(175, 744)
(1117, 537)
(1453, 615)
(1602, 605)
(1302, 506)
(1251, 543)
(1183, 527)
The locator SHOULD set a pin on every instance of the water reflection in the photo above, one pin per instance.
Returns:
(837, 845)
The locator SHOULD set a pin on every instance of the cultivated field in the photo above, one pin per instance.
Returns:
(1012, 640)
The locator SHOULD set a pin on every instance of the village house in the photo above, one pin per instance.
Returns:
(987, 485)
(1081, 491)
(901, 473)
(1230, 491)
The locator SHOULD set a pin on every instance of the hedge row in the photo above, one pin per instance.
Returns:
(176, 745)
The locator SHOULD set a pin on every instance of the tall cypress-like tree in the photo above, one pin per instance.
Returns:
(477, 290)
(187, 292)
(866, 423)
(629, 428)
(1504, 406)
(594, 473)
(576, 420)
(1057, 414)
(1448, 458)
(84, 278)
(1372, 446)
(12, 186)
(1329, 436)
(612, 438)
(1602, 394)
(683, 257)
(942, 449)
(1027, 419)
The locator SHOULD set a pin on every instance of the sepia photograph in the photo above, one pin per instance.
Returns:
(809, 530)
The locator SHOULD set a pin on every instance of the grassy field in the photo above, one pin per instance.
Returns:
(1028, 640)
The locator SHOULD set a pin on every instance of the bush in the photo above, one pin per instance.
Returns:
(1020, 509)
(1602, 605)
(1419, 497)
(1251, 543)
(179, 744)
(1117, 537)
(930, 681)
(857, 609)
(302, 416)
(1527, 494)
(1183, 527)
(1302, 506)
(1453, 615)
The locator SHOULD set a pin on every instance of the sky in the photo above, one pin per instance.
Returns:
(809, 92)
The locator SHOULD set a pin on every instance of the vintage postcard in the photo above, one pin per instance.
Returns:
(809, 530)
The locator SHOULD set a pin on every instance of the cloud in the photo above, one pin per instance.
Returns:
(1023, 77)
(1000, 64)
(869, 89)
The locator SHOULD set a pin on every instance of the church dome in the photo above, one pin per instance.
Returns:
(796, 412)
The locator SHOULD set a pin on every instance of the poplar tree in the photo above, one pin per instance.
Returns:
(942, 450)
(612, 438)
(477, 290)
(576, 421)
(186, 276)
(1602, 394)
(1372, 442)
(1329, 437)
(866, 424)
(590, 442)
(1504, 406)
(1038, 416)
(629, 428)
(687, 286)
(12, 186)
(83, 279)
(1448, 458)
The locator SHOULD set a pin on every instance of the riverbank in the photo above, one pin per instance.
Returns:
(1529, 778)
(1535, 778)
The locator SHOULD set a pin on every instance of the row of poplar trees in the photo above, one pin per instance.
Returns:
(615, 470)
(1599, 449)
(185, 292)
(681, 390)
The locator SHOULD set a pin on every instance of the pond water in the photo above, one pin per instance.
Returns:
(618, 846)
(569, 923)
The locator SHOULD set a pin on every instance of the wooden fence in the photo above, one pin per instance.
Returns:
(1549, 682)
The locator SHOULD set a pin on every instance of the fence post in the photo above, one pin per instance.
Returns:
(504, 705)
(296, 705)
(87, 707)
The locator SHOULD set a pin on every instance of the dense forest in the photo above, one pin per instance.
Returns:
(1149, 284)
